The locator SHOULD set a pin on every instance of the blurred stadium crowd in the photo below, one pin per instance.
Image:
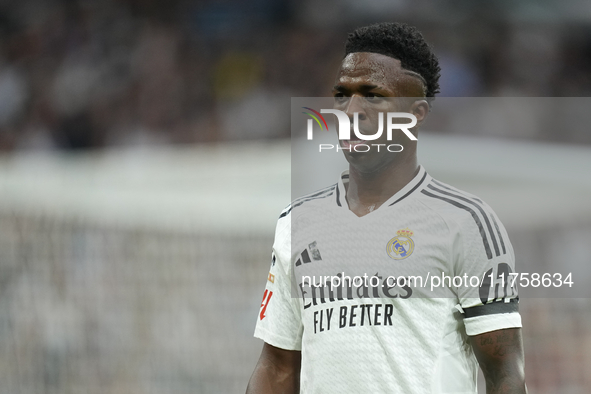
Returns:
(91, 74)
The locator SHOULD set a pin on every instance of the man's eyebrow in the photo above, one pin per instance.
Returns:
(363, 88)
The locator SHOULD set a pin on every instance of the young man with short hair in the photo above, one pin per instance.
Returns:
(386, 211)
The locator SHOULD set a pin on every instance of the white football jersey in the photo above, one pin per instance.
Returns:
(404, 327)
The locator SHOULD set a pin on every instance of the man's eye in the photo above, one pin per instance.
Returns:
(340, 98)
(373, 97)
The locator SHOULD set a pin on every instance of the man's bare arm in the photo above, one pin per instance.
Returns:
(500, 355)
(277, 372)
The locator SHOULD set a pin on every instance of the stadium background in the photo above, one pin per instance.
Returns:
(146, 155)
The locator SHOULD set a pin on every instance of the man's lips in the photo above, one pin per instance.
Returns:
(355, 140)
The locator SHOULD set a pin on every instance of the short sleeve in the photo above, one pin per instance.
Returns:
(487, 261)
(279, 320)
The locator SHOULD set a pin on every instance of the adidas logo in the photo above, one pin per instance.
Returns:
(311, 251)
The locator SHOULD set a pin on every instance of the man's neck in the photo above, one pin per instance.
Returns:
(368, 191)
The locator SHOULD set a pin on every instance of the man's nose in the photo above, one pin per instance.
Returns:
(355, 104)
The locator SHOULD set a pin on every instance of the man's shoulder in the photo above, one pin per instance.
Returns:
(310, 201)
(458, 208)
(468, 214)
(306, 204)
(448, 199)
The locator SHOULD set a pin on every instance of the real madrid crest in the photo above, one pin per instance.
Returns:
(402, 245)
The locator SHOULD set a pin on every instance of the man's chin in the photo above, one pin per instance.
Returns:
(371, 162)
(351, 144)
(365, 162)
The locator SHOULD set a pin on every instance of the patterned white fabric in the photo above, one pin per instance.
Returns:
(388, 339)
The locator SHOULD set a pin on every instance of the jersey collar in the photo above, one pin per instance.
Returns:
(419, 181)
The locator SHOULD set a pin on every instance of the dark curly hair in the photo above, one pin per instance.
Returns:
(402, 42)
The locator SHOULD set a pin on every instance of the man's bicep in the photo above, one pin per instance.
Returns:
(500, 355)
(277, 371)
(279, 319)
(282, 359)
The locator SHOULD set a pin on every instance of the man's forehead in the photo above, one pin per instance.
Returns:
(367, 64)
(375, 68)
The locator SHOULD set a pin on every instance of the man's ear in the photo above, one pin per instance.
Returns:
(420, 109)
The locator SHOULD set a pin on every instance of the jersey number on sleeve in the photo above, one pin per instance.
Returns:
(500, 285)
(266, 298)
